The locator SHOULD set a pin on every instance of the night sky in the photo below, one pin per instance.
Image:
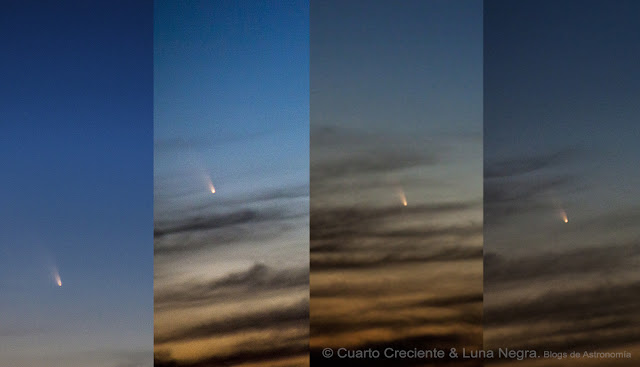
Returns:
(232, 111)
(396, 113)
(561, 138)
(76, 161)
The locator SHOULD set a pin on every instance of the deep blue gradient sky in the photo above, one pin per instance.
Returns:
(76, 161)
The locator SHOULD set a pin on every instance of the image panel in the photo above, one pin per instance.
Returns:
(396, 182)
(561, 184)
(231, 183)
(76, 142)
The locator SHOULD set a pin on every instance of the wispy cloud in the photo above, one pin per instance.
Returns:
(250, 283)
(182, 144)
(349, 153)
(272, 357)
(592, 260)
(525, 165)
(222, 220)
(293, 315)
(509, 191)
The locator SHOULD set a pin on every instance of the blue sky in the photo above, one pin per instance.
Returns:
(76, 157)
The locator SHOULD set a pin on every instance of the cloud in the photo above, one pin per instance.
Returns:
(399, 314)
(621, 220)
(255, 355)
(515, 192)
(345, 222)
(259, 216)
(598, 310)
(368, 162)
(509, 190)
(363, 261)
(507, 198)
(452, 301)
(221, 220)
(193, 242)
(356, 237)
(275, 194)
(292, 315)
(272, 219)
(348, 153)
(258, 278)
(524, 165)
(341, 239)
(594, 260)
(181, 144)
(596, 317)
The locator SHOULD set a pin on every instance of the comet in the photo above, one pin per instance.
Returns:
(56, 277)
(559, 207)
(211, 187)
(403, 197)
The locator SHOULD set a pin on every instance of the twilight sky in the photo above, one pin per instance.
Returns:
(561, 136)
(396, 112)
(391, 197)
(232, 111)
(76, 162)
